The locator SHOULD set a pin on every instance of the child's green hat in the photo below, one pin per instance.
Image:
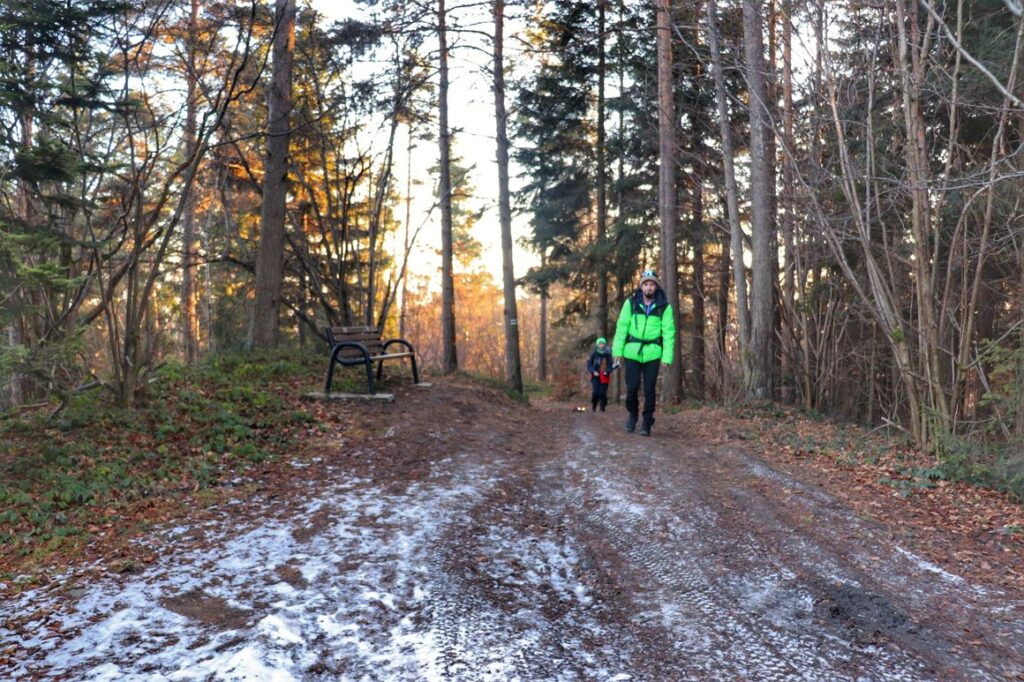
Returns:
(601, 340)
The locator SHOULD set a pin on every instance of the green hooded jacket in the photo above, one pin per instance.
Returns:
(657, 328)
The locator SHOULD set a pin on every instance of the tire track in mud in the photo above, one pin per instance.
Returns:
(880, 591)
(734, 610)
(857, 609)
(509, 601)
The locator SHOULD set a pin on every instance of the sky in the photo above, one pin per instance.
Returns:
(471, 114)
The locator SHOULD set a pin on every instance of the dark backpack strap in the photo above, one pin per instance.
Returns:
(632, 339)
(656, 311)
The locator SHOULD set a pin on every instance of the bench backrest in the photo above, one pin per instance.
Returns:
(368, 336)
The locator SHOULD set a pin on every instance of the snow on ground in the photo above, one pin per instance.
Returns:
(439, 579)
(348, 591)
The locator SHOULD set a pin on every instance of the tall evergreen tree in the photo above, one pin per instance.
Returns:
(557, 150)
(51, 73)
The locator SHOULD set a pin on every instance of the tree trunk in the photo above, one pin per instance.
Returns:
(698, 123)
(731, 191)
(19, 333)
(405, 237)
(188, 218)
(771, 157)
(383, 183)
(1019, 422)
(723, 314)
(697, 360)
(972, 309)
(667, 187)
(270, 259)
(788, 205)
(513, 369)
(759, 358)
(912, 59)
(602, 178)
(542, 341)
(449, 358)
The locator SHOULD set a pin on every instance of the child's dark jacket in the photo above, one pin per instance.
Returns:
(601, 364)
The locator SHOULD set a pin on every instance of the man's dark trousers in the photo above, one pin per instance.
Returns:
(634, 372)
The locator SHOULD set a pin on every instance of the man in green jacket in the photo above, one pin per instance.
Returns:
(645, 337)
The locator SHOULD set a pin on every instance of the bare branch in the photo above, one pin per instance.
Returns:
(967, 55)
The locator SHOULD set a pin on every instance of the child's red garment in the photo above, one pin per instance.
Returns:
(605, 378)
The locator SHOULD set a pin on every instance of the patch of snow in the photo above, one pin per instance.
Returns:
(370, 557)
(785, 481)
(930, 567)
(280, 630)
(243, 665)
(372, 599)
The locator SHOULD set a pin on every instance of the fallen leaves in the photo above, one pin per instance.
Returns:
(967, 530)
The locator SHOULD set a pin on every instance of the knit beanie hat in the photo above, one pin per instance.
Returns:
(601, 340)
(649, 276)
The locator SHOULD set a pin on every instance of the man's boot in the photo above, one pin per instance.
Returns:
(631, 423)
(645, 430)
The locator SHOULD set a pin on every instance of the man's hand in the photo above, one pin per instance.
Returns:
(616, 360)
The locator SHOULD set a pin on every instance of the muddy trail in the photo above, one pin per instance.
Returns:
(455, 535)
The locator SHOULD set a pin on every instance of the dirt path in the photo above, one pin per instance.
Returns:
(480, 540)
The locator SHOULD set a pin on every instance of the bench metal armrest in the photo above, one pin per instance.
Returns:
(412, 357)
(348, 362)
(341, 345)
(401, 342)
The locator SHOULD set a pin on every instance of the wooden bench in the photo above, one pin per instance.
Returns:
(353, 346)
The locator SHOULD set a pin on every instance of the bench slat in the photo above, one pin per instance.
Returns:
(347, 335)
(373, 348)
(344, 331)
(366, 342)
(355, 352)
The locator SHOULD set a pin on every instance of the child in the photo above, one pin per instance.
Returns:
(599, 368)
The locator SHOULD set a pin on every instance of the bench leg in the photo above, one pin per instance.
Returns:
(369, 376)
(415, 373)
(330, 375)
(380, 369)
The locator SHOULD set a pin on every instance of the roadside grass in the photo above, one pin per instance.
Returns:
(999, 466)
(97, 466)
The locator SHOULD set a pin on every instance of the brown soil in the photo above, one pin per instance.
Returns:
(705, 554)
